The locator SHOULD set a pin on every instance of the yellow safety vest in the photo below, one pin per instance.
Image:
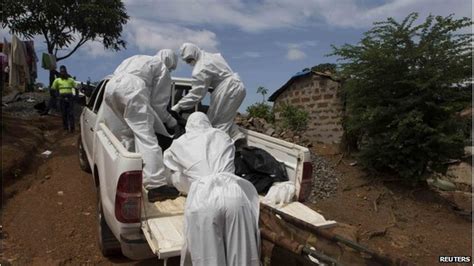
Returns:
(65, 86)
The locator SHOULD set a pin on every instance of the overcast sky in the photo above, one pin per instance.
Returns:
(265, 41)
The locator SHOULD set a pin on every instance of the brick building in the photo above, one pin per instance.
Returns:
(320, 95)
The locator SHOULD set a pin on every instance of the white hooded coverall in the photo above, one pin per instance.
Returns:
(211, 70)
(222, 209)
(136, 99)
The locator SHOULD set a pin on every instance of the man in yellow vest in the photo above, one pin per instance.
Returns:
(65, 86)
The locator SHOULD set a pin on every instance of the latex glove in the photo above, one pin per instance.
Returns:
(280, 193)
(176, 108)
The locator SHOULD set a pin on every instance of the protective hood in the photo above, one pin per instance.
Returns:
(169, 58)
(197, 122)
(211, 70)
(153, 71)
(146, 67)
(190, 51)
(202, 151)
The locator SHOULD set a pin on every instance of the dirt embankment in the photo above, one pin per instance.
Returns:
(410, 222)
(22, 141)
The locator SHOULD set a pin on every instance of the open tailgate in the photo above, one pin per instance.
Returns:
(163, 226)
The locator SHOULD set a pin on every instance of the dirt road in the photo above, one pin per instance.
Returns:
(49, 215)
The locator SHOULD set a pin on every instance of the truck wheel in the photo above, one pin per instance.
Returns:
(108, 244)
(83, 162)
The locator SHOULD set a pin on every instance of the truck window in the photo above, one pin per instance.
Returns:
(91, 102)
(181, 90)
(100, 98)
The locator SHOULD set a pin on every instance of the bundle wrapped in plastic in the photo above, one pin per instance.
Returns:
(280, 193)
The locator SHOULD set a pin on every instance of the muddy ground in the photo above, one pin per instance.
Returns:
(49, 214)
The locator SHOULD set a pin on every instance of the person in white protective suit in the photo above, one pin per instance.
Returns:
(222, 209)
(211, 70)
(136, 100)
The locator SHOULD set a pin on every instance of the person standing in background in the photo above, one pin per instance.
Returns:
(64, 85)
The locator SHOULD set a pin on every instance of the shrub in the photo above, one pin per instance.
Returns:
(325, 67)
(293, 117)
(261, 110)
(402, 93)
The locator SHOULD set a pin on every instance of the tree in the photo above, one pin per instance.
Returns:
(403, 88)
(67, 23)
(325, 67)
(262, 90)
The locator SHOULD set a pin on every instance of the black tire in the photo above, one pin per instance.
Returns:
(83, 162)
(108, 243)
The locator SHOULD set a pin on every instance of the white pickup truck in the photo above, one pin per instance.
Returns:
(127, 222)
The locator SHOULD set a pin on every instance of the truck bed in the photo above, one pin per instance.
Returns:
(164, 227)
(163, 221)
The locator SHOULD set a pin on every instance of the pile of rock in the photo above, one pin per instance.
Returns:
(325, 181)
(262, 126)
(456, 185)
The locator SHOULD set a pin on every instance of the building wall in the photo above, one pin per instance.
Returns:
(321, 98)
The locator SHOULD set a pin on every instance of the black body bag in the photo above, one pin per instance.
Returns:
(259, 167)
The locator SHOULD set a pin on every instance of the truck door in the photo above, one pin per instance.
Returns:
(90, 115)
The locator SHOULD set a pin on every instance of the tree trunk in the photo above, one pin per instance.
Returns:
(52, 76)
